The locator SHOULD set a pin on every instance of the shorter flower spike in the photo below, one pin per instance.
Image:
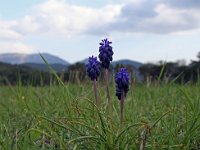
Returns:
(105, 53)
(93, 68)
(122, 82)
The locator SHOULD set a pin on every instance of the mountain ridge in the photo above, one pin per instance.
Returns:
(35, 61)
(137, 64)
(21, 58)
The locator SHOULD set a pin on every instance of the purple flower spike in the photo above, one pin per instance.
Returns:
(122, 82)
(93, 68)
(105, 53)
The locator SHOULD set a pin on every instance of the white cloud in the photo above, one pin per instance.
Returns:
(59, 18)
(11, 39)
(7, 32)
(15, 47)
(156, 17)
(185, 4)
(56, 17)
(27, 25)
(170, 20)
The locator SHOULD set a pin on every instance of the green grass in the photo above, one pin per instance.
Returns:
(157, 117)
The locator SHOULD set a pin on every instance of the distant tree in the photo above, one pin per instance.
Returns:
(181, 62)
(75, 73)
(198, 56)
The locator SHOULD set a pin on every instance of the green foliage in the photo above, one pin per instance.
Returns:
(76, 73)
(17, 74)
(63, 116)
(171, 72)
(56, 117)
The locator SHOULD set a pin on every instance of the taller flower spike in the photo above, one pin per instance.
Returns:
(105, 57)
(105, 53)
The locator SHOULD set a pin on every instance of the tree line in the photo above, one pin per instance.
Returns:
(178, 72)
(24, 75)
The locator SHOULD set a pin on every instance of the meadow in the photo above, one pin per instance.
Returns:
(157, 116)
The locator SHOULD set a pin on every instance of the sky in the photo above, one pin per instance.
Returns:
(141, 30)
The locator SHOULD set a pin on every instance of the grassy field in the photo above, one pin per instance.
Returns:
(156, 117)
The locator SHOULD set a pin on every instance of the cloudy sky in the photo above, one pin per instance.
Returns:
(142, 30)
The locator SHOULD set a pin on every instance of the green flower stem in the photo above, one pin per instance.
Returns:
(107, 88)
(95, 93)
(122, 110)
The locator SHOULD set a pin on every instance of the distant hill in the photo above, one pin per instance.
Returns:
(34, 61)
(17, 58)
(136, 64)
(132, 63)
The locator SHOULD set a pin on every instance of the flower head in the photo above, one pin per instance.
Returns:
(105, 53)
(122, 82)
(93, 68)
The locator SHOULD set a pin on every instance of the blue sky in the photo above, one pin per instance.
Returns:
(142, 30)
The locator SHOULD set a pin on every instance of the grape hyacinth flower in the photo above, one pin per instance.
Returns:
(105, 57)
(93, 70)
(105, 53)
(122, 87)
